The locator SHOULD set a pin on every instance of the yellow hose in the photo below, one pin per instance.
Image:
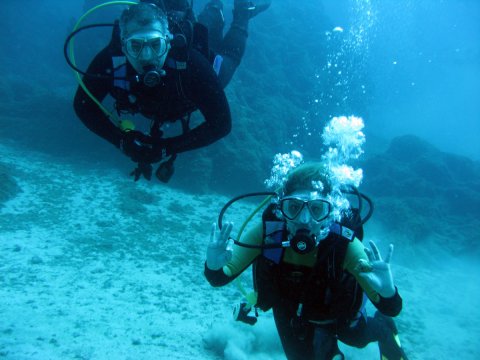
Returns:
(72, 53)
(252, 296)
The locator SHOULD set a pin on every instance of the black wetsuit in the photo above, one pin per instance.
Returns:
(180, 92)
(197, 87)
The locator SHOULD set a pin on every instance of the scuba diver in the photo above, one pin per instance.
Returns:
(311, 267)
(159, 64)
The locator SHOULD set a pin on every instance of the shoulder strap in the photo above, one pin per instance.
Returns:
(120, 73)
(331, 252)
(342, 231)
(273, 233)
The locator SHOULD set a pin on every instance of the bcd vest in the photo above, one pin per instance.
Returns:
(326, 291)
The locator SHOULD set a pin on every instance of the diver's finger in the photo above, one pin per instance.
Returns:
(212, 233)
(369, 253)
(225, 232)
(228, 230)
(389, 254)
(376, 253)
(227, 256)
(221, 238)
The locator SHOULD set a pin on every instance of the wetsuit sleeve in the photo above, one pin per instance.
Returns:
(86, 109)
(241, 259)
(207, 94)
(389, 306)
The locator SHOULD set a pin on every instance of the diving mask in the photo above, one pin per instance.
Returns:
(308, 219)
(147, 45)
(291, 207)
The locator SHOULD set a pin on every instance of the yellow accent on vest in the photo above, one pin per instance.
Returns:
(72, 55)
(126, 125)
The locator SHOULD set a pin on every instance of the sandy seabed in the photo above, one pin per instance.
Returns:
(96, 266)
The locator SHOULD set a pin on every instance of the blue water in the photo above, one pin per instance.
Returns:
(93, 265)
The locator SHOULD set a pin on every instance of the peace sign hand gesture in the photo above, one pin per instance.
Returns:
(218, 253)
(376, 272)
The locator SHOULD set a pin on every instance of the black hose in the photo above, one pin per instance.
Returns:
(370, 208)
(361, 196)
(354, 191)
(69, 61)
(231, 201)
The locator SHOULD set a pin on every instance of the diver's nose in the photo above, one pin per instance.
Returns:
(146, 53)
(305, 216)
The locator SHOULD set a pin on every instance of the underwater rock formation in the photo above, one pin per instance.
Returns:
(9, 188)
(422, 192)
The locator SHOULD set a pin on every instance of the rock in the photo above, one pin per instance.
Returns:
(9, 187)
(420, 192)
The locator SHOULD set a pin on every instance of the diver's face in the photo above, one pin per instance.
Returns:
(145, 45)
(307, 210)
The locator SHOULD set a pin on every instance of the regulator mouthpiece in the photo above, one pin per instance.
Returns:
(303, 242)
(152, 76)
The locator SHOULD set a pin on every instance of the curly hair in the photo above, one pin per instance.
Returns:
(308, 176)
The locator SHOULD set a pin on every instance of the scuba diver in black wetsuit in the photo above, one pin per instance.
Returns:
(313, 271)
(159, 64)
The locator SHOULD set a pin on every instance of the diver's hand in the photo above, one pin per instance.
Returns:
(142, 169)
(377, 272)
(218, 253)
(141, 148)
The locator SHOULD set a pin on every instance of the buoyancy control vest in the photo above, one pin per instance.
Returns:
(326, 291)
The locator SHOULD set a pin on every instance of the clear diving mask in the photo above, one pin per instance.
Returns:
(147, 45)
(291, 207)
(307, 220)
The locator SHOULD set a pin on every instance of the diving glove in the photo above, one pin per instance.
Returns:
(141, 148)
(143, 169)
